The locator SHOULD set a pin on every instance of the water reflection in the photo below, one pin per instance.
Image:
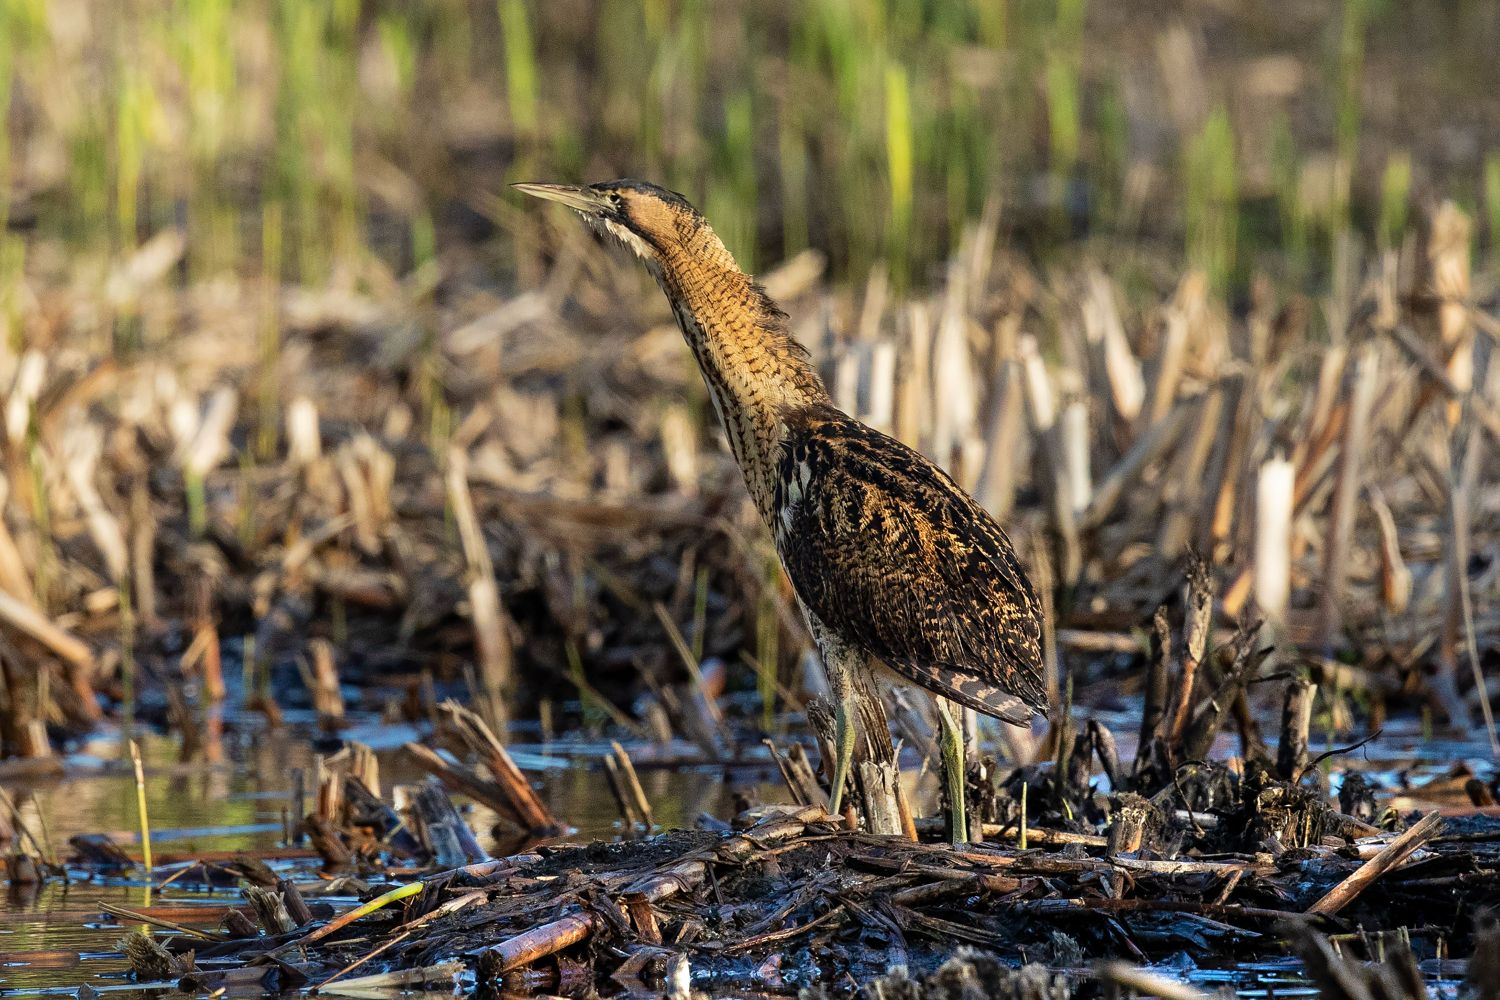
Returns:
(54, 938)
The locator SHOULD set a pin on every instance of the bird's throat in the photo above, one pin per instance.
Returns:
(755, 372)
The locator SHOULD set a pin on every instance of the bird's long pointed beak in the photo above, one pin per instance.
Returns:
(578, 198)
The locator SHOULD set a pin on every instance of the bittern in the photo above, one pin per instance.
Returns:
(892, 563)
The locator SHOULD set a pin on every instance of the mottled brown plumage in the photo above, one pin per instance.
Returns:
(886, 550)
(888, 557)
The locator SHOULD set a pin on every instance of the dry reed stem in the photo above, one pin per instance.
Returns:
(522, 800)
(491, 626)
(1392, 856)
(1144, 982)
(142, 523)
(1395, 578)
(1150, 446)
(631, 784)
(1364, 378)
(1185, 484)
(328, 699)
(27, 619)
(1102, 326)
(15, 579)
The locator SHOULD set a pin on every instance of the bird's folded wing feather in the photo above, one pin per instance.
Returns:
(885, 549)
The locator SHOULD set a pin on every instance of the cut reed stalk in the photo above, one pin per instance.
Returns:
(1363, 381)
(491, 626)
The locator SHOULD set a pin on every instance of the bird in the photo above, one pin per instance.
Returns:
(892, 563)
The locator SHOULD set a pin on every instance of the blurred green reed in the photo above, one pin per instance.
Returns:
(1492, 200)
(268, 388)
(898, 155)
(1286, 170)
(1212, 208)
(1351, 62)
(870, 128)
(7, 75)
(520, 65)
(1395, 197)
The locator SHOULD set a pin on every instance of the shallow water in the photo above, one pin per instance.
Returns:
(56, 940)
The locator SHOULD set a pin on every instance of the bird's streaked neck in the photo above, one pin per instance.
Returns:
(755, 372)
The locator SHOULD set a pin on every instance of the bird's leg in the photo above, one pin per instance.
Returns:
(951, 745)
(843, 753)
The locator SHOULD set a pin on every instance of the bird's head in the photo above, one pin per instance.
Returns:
(646, 218)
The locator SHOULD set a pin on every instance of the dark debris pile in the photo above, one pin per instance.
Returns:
(789, 899)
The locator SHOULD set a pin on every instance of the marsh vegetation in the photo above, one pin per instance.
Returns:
(305, 416)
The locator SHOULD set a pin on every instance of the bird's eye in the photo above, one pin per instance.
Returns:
(616, 200)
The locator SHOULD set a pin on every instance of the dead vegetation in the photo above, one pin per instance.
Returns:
(1078, 860)
(1222, 860)
(420, 481)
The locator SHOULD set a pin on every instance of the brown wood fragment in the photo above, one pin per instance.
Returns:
(643, 916)
(491, 624)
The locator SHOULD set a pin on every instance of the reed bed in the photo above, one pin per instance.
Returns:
(526, 492)
(290, 390)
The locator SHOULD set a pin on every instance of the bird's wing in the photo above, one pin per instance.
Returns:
(885, 549)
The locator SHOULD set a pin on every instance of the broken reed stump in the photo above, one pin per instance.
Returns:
(635, 808)
(1296, 719)
(506, 790)
(1189, 697)
(1132, 814)
(442, 829)
(1195, 632)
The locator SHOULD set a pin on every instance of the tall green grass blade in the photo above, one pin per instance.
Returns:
(1212, 211)
(899, 165)
(521, 74)
(1395, 196)
(1492, 202)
